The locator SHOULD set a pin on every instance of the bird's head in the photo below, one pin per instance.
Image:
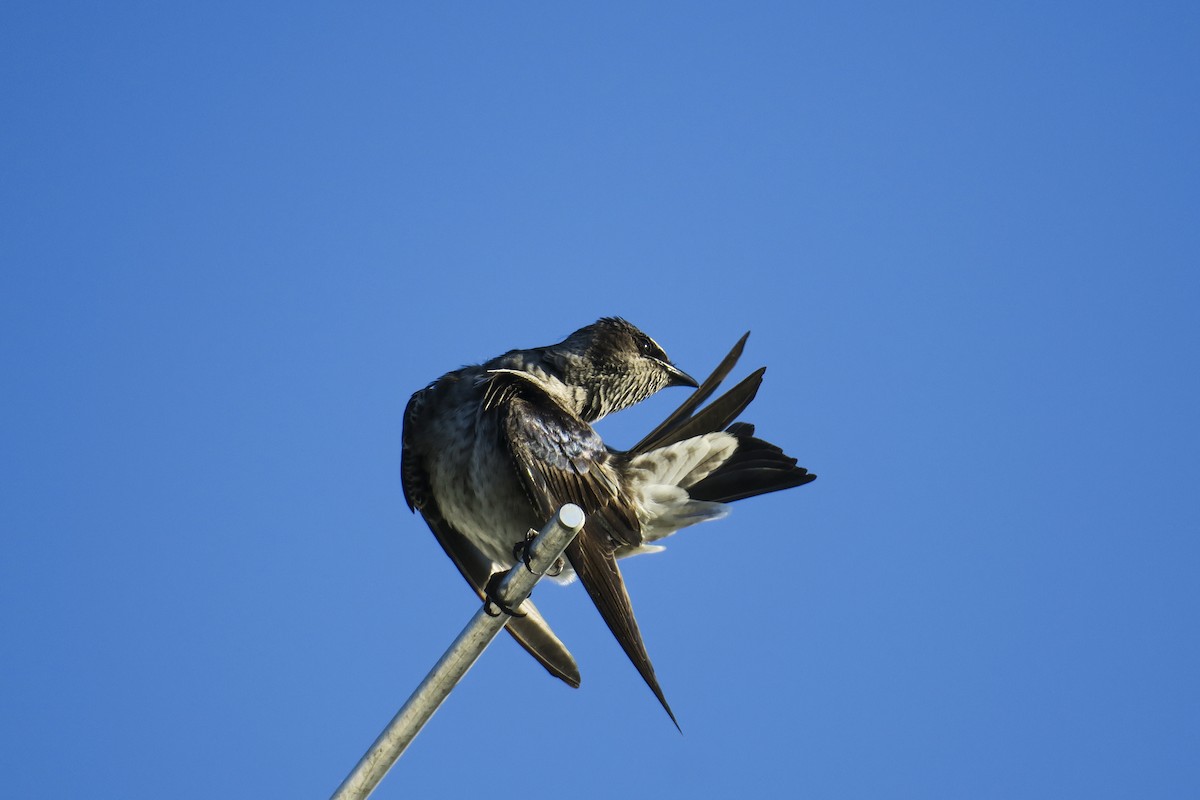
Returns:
(617, 364)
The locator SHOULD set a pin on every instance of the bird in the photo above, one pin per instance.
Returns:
(490, 451)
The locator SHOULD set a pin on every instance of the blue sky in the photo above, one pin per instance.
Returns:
(235, 239)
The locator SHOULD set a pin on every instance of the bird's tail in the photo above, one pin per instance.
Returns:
(663, 478)
(756, 467)
(696, 461)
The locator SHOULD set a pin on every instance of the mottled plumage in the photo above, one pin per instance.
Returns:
(490, 451)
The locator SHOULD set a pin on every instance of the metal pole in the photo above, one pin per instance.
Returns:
(469, 645)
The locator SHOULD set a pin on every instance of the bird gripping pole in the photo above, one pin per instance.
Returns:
(543, 551)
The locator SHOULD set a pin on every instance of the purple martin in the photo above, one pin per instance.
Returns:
(491, 451)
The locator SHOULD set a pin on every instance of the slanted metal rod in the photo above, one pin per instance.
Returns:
(470, 644)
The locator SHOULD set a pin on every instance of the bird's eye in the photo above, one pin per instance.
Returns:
(649, 348)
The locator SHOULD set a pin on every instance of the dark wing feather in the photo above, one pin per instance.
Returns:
(596, 565)
(702, 393)
(715, 416)
(560, 459)
(681, 424)
(531, 631)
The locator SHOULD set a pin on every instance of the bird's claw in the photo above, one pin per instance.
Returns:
(492, 600)
(522, 550)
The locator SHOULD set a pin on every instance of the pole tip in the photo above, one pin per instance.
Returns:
(571, 516)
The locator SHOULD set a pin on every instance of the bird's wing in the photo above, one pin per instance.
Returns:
(560, 459)
(531, 631)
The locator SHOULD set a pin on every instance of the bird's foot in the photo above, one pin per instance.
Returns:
(492, 600)
(521, 550)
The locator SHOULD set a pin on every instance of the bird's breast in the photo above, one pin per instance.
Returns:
(471, 475)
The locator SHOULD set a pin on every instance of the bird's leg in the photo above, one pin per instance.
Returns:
(491, 592)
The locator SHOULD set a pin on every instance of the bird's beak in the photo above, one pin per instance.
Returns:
(678, 377)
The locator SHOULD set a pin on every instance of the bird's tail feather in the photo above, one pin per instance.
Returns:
(756, 467)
